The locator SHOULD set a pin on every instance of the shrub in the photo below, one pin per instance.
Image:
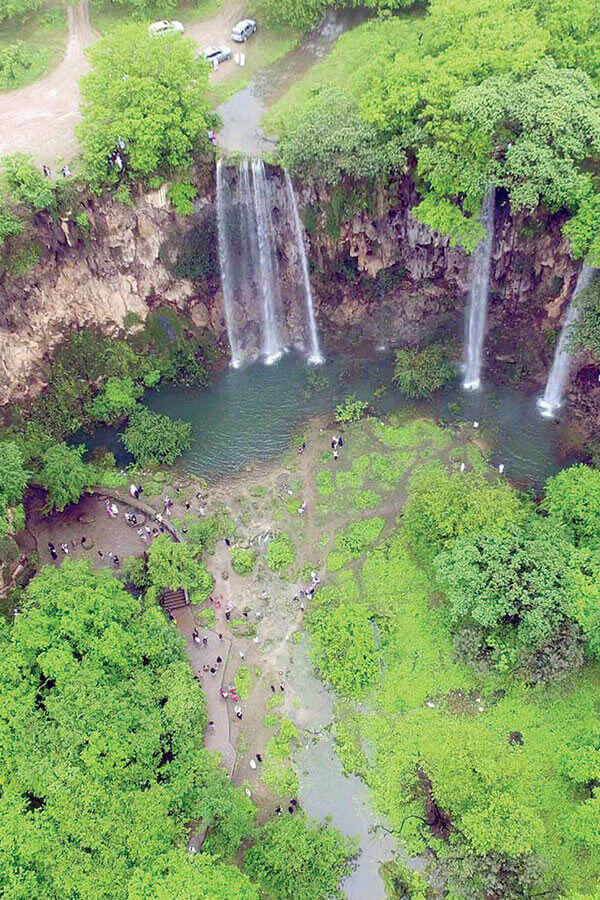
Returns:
(324, 484)
(117, 399)
(358, 535)
(242, 560)
(419, 373)
(15, 61)
(65, 475)
(573, 498)
(173, 565)
(280, 553)
(365, 499)
(243, 682)
(351, 409)
(152, 438)
(181, 194)
(343, 647)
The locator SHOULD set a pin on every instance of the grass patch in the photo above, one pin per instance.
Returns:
(243, 682)
(44, 39)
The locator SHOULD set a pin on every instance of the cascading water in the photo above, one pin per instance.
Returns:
(314, 353)
(271, 346)
(478, 299)
(225, 264)
(559, 373)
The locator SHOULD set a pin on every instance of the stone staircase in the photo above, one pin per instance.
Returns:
(172, 600)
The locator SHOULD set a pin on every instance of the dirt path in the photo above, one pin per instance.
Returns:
(40, 119)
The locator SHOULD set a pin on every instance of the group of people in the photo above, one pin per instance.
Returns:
(336, 443)
(65, 172)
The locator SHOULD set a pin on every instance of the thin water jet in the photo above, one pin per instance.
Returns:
(269, 282)
(561, 364)
(225, 266)
(315, 357)
(478, 296)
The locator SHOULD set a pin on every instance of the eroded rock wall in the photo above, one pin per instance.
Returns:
(381, 276)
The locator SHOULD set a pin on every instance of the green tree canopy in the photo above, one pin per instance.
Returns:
(65, 475)
(573, 498)
(101, 727)
(152, 93)
(17, 8)
(153, 438)
(116, 399)
(297, 859)
(420, 373)
(173, 565)
(514, 585)
(13, 481)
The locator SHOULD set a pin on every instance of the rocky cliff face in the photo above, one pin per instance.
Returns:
(380, 276)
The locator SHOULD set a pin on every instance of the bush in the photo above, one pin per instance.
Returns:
(573, 498)
(242, 560)
(280, 553)
(117, 399)
(173, 565)
(357, 536)
(152, 438)
(419, 373)
(296, 859)
(64, 475)
(351, 409)
(181, 194)
(243, 681)
(343, 647)
(324, 484)
(15, 62)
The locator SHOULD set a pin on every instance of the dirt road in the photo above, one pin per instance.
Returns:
(40, 119)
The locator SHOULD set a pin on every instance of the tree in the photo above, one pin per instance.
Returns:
(17, 8)
(153, 94)
(22, 183)
(295, 858)
(343, 646)
(203, 877)
(573, 498)
(280, 553)
(419, 373)
(102, 746)
(153, 438)
(326, 137)
(441, 507)
(515, 585)
(13, 481)
(65, 475)
(173, 565)
(116, 400)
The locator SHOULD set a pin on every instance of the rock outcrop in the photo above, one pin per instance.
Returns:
(381, 276)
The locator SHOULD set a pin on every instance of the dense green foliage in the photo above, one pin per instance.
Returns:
(152, 438)
(173, 565)
(297, 859)
(573, 498)
(101, 735)
(65, 475)
(152, 93)
(280, 553)
(420, 373)
(351, 409)
(482, 92)
(9, 8)
(242, 560)
(15, 61)
(117, 399)
(343, 646)
(13, 481)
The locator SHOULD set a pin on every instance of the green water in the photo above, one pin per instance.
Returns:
(249, 415)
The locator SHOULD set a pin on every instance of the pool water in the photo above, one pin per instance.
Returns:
(249, 415)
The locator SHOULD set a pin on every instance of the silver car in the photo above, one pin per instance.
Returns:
(243, 30)
(217, 54)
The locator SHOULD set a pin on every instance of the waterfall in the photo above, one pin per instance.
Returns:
(314, 351)
(559, 373)
(251, 210)
(225, 264)
(271, 346)
(478, 297)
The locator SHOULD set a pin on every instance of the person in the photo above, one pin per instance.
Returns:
(133, 490)
(51, 546)
(264, 595)
(228, 615)
(224, 694)
(278, 810)
(334, 443)
(340, 441)
(117, 562)
(111, 556)
(462, 467)
(273, 688)
(501, 468)
(108, 508)
(66, 172)
(53, 553)
(205, 667)
(202, 511)
(100, 554)
(239, 713)
(159, 518)
(290, 809)
(187, 504)
(227, 542)
(294, 802)
(248, 791)
(118, 162)
(195, 636)
(302, 508)
(259, 757)
(114, 509)
(47, 172)
(281, 686)
(219, 660)
(205, 642)
(252, 764)
(335, 454)
(168, 505)
(83, 541)
(65, 548)
(121, 143)
(211, 724)
(143, 535)
(213, 671)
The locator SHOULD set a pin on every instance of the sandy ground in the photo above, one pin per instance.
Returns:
(40, 119)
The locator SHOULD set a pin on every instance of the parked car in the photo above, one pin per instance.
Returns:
(220, 54)
(158, 28)
(243, 30)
